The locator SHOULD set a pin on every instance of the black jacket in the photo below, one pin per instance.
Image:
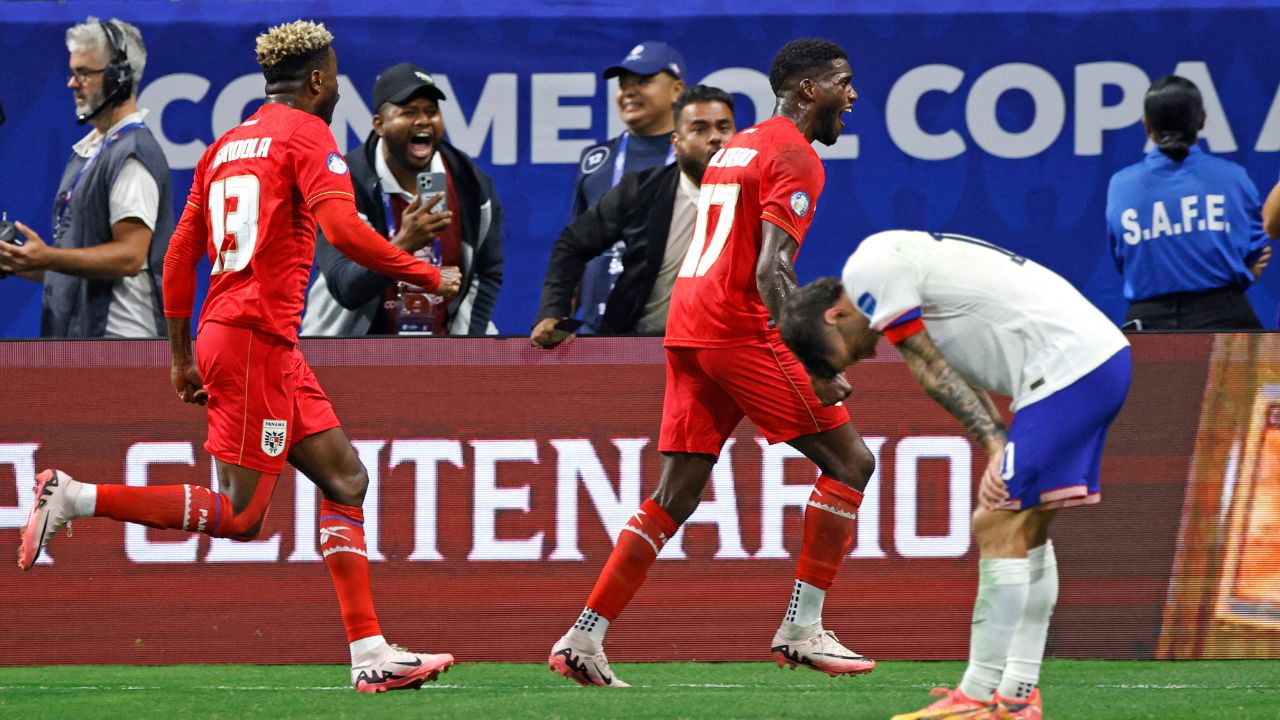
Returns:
(637, 212)
(359, 290)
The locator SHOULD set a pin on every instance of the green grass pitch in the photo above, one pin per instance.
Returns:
(1093, 690)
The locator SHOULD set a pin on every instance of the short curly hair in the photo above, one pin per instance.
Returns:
(801, 56)
(290, 51)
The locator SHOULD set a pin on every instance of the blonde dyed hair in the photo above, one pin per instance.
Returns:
(285, 51)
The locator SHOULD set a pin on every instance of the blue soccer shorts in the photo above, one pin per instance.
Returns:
(1054, 453)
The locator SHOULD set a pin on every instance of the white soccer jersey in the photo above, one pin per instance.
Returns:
(1004, 323)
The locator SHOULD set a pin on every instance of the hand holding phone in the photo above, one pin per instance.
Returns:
(550, 332)
(420, 226)
(432, 183)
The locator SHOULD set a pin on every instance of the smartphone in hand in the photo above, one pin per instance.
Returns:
(430, 183)
(564, 329)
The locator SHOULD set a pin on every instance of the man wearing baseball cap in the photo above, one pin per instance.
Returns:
(650, 80)
(408, 138)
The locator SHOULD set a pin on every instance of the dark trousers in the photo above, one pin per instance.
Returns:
(1222, 309)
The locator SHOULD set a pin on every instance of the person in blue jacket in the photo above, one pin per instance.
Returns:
(1185, 227)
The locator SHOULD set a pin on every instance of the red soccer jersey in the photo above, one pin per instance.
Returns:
(766, 172)
(255, 188)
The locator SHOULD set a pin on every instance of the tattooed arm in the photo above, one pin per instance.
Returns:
(970, 406)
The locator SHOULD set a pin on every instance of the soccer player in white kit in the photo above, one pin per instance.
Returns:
(970, 317)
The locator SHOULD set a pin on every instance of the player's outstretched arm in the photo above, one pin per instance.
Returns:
(349, 235)
(942, 383)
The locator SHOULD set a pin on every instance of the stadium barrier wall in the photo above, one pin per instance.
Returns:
(501, 474)
(1002, 120)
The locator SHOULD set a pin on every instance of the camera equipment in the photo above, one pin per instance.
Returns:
(8, 233)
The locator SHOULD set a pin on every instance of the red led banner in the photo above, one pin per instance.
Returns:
(501, 475)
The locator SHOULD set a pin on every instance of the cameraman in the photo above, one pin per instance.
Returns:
(113, 213)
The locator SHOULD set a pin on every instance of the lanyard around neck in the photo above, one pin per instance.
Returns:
(66, 197)
(620, 160)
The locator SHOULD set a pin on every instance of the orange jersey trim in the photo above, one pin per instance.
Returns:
(312, 200)
(791, 229)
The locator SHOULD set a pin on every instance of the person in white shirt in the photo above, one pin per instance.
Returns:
(114, 211)
(970, 317)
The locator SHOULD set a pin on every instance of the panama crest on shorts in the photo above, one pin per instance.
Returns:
(273, 435)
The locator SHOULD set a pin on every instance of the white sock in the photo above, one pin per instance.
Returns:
(1002, 595)
(364, 646)
(1026, 650)
(593, 624)
(806, 604)
(84, 498)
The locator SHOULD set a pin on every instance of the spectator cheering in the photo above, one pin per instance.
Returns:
(113, 213)
(408, 139)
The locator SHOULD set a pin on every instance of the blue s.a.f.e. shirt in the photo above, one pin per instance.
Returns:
(1187, 226)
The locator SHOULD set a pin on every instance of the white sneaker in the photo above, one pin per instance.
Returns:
(51, 511)
(819, 649)
(582, 660)
(391, 667)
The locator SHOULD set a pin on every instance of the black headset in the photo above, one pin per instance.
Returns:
(117, 76)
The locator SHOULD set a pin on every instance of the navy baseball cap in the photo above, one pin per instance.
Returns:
(399, 83)
(649, 58)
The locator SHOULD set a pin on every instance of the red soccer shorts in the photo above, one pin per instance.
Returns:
(263, 397)
(710, 389)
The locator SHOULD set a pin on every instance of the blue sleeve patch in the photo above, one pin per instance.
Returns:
(867, 304)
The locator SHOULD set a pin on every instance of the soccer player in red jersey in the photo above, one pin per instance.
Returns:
(725, 359)
(258, 194)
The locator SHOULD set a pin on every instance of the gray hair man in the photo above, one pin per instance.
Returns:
(113, 213)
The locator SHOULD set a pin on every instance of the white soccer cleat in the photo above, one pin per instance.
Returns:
(581, 660)
(394, 668)
(51, 511)
(818, 649)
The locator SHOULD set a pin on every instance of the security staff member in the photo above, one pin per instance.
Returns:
(650, 79)
(1185, 227)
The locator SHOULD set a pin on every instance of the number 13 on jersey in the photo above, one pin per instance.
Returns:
(702, 255)
(233, 216)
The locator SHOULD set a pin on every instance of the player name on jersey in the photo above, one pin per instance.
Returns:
(733, 157)
(1161, 226)
(242, 149)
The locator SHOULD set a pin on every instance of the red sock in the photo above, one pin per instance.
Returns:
(638, 546)
(168, 507)
(828, 531)
(342, 544)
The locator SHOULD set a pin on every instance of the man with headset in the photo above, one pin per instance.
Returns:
(113, 213)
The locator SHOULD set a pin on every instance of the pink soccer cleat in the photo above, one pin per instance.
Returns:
(394, 668)
(576, 657)
(818, 649)
(51, 511)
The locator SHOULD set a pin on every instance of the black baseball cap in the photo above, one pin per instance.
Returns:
(649, 58)
(400, 83)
